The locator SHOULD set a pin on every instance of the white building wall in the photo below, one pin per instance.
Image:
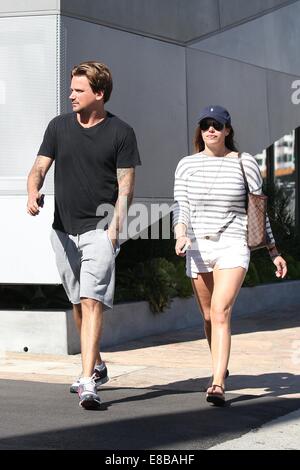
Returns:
(28, 100)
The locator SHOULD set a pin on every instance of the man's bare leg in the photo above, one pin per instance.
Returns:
(77, 315)
(91, 329)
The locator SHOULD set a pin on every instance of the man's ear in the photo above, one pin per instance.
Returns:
(99, 95)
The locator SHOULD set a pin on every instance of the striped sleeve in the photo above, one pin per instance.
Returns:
(255, 183)
(181, 204)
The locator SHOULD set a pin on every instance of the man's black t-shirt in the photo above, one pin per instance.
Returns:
(86, 162)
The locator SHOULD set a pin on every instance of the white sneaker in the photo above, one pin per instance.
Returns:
(75, 385)
(99, 376)
(88, 397)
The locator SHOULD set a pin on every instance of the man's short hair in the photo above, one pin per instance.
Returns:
(98, 75)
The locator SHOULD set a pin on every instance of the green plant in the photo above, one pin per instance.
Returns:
(293, 267)
(252, 277)
(152, 280)
(183, 283)
(158, 275)
(282, 222)
(265, 269)
(261, 268)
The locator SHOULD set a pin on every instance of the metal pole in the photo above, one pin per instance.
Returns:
(270, 167)
(297, 178)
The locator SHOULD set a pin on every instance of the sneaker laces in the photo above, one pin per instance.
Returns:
(88, 387)
(96, 374)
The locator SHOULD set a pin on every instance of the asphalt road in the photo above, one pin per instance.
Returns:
(37, 415)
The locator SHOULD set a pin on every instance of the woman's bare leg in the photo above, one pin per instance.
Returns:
(227, 284)
(203, 290)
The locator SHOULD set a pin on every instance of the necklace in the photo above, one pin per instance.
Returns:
(201, 204)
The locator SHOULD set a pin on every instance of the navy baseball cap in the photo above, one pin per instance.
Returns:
(216, 112)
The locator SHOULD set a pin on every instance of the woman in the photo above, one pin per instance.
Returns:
(210, 225)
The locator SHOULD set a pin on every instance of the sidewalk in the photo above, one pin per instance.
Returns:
(264, 366)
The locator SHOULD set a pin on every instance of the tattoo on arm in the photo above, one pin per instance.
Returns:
(125, 178)
(38, 172)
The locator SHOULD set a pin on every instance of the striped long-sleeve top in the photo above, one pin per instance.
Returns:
(210, 195)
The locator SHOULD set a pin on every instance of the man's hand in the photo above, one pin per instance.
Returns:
(112, 236)
(35, 182)
(33, 207)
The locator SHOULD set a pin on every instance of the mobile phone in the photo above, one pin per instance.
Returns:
(186, 246)
(40, 201)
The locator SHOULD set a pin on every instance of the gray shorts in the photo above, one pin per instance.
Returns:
(86, 264)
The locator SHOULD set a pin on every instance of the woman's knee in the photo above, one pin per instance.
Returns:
(206, 315)
(220, 314)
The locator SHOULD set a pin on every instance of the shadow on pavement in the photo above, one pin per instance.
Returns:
(270, 384)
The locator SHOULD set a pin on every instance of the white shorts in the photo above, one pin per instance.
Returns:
(216, 251)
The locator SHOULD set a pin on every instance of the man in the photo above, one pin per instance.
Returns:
(95, 155)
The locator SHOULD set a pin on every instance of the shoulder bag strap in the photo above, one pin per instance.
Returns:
(244, 175)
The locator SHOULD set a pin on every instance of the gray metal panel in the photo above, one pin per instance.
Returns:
(29, 6)
(284, 114)
(149, 93)
(271, 41)
(239, 87)
(177, 20)
(232, 11)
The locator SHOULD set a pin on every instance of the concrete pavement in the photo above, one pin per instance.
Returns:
(154, 398)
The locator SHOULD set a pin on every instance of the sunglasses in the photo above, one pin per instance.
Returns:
(205, 124)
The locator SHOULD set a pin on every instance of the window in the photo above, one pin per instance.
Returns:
(28, 95)
(284, 166)
(261, 160)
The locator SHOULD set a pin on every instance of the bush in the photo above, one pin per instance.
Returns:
(153, 280)
(157, 280)
(261, 268)
(293, 267)
(183, 283)
(283, 224)
(252, 278)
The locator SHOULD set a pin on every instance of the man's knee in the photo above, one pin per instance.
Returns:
(90, 304)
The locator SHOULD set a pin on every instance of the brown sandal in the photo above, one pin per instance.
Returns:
(211, 380)
(217, 398)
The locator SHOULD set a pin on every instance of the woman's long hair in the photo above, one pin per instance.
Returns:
(199, 144)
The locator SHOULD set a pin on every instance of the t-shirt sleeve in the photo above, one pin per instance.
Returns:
(127, 152)
(181, 206)
(48, 146)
